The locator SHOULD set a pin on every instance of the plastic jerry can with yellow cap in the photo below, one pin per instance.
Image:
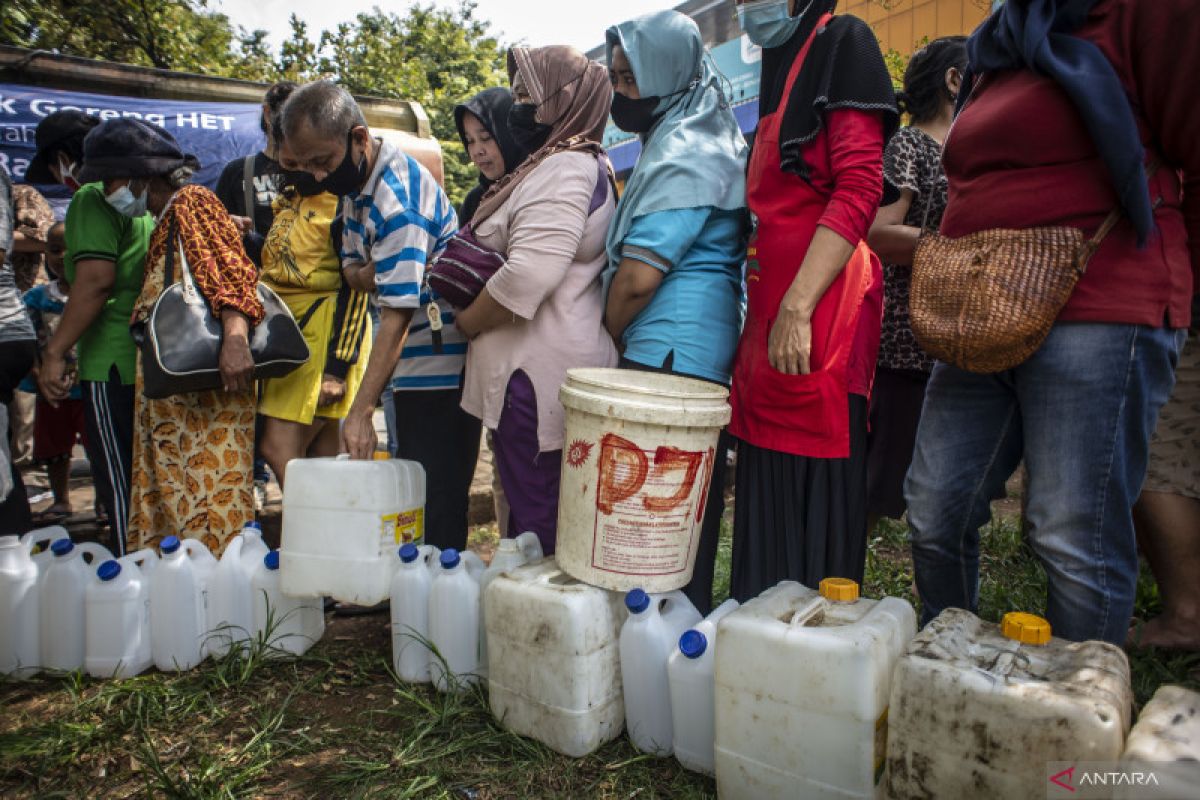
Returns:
(997, 711)
(802, 685)
(343, 522)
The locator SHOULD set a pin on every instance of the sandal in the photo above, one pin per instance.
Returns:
(51, 516)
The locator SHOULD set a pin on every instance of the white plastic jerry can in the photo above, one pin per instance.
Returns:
(20, 642)
(231, 601)
(510, 554)
(178, 604)
(289, 624)
(118, 617)
(690, 673)
(454, 623)
(981, 710)
(61, 603)
(554, 671)
(655, 623)
(1165, 743)
(410, 616)
(802, 684)
(342, 523)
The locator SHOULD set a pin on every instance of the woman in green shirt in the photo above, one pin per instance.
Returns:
(105, 254)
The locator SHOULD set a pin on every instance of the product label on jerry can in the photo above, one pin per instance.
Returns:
(649, 505)
(403, 527)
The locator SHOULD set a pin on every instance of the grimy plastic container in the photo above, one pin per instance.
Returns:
(802, 683)
(554, 670)
(640, 450)
(1165, 742)
(984, 710)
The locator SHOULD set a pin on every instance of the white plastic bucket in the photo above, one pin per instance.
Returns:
(640, 452)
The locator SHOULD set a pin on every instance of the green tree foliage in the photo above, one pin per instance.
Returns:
(439, 57)
(168, 34)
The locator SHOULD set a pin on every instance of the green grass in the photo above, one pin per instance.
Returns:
(337, 722)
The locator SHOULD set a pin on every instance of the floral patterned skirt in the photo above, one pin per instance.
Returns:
(192, 467)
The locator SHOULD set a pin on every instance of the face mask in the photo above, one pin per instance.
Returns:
(529, 134)
(349, 177)
(66, 171)
(634, 116)
(767, 22)
(303, 183)
(125, 202)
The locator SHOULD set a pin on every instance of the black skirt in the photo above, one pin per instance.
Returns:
(799, 518)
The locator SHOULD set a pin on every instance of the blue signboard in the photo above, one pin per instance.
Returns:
(215, 132)
(740, 63)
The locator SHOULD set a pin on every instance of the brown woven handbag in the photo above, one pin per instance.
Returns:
(985, 302)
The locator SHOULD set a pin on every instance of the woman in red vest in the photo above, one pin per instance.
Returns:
(807, 354)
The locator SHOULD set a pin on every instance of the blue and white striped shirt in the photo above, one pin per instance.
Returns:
(401, 222)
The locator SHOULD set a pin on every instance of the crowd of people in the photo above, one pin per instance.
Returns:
(782, 271)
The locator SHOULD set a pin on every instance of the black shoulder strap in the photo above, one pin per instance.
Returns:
(172, 245)
(248, 187)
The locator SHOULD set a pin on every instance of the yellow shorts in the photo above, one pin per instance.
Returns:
(294, 397)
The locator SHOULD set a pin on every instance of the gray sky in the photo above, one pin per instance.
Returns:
(536, 22)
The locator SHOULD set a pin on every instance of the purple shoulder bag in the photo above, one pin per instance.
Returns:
(465, 266)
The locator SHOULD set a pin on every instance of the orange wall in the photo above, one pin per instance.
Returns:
(903, 25)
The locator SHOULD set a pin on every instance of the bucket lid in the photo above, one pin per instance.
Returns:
(839, 590)
(637, 601)
(108, 570)
(450, 558)
(169, 545)
(253, 524)
(271, 559)
(62, 546)
(409, 553)
(1025, 628)
(693, 644)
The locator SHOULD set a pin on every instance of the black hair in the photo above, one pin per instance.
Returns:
(274, 100)
(925, 89)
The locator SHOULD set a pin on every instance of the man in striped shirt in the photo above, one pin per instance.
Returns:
(397, 220)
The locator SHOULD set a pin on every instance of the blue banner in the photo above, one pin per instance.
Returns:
(215, 132)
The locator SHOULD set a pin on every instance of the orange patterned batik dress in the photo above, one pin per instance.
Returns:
(193, 453)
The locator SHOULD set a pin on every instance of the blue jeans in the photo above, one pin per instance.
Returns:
(1080, 412)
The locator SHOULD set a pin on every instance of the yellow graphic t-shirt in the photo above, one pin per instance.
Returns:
(298, 255)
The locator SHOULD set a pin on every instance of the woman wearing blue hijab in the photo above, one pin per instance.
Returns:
(678, 240)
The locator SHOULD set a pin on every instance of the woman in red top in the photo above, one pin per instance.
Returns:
(1071, 100)
(807, 354)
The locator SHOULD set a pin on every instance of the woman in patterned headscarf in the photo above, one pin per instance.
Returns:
(192, 453)
(541, 313)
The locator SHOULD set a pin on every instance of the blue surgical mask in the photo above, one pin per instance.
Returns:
(125, 202)
(767, 22)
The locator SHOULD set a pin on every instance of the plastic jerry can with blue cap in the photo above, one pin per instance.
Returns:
(231, 600)
(554, 671)
(61, 602)
(342, 523)
(179, 604)
(690, 673)
(454, 623)
(20, 568)
(510, 554)
(410, 613)
(986, 710)
(802, 685)
(651, 632)
(288, 624)
(118, 617)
